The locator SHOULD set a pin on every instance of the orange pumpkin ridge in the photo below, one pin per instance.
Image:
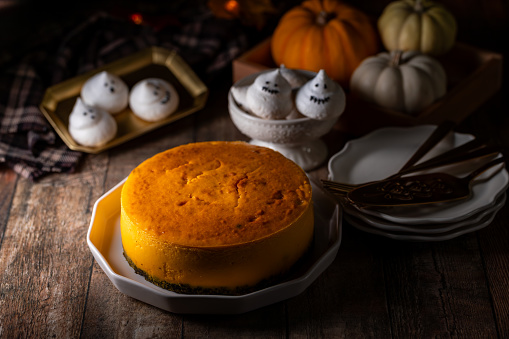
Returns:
(336, 41)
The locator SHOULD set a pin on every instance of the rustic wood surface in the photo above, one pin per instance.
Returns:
(51, 286)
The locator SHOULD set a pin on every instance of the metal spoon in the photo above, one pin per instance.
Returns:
(456, 155)
(427, 188)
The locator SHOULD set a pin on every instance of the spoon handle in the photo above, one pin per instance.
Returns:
(453, 157)
(484, 168)
(438, 134)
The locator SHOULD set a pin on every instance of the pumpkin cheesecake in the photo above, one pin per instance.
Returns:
(216, 217)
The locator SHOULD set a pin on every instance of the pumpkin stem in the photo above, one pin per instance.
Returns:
(418, 7)
(396, 58)
(323, 18)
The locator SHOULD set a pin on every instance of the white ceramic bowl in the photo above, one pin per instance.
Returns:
(297, 139)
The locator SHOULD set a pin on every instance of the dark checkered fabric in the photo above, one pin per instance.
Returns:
(28, 143)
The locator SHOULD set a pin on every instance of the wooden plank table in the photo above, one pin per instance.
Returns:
(50, 285)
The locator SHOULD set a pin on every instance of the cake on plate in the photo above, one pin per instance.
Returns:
(216, 217)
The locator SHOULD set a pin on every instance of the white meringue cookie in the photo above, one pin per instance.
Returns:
(91, 126)
(239, 94)
(295, 79)
(294, 114)
(153, 99)
(105, 91)
(321, 98)
(270, 96)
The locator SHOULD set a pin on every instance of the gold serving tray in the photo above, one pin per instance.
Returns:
(157, 62)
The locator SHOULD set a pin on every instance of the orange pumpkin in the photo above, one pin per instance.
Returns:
(324, 34)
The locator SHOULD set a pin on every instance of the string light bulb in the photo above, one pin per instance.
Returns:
(137, 18)
(232, 7)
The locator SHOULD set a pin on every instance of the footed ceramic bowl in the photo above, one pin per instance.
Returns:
(297, 139)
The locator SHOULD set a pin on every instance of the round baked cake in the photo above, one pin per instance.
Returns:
(216, 217)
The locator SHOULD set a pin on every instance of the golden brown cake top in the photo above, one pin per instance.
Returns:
(215, 193)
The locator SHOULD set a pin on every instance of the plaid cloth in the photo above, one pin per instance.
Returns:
(29, 145)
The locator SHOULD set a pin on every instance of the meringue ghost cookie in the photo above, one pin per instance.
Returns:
(90, 126)
(105, 91)
(294, 78)
(153, 99)
(294, 114)
(239, 93)
(321, 98)
(270, 96)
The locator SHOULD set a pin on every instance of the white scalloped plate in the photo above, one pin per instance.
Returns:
(105, 243)
(383, 152)
(405, 236)
(425, 229)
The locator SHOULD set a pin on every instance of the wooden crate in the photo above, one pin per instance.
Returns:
(474, 75)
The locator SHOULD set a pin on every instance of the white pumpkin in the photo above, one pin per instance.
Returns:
(417, 25)
(403, 81)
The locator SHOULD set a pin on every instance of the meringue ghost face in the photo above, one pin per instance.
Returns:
(272, 83)
(105, 91)
(84, 116)
(90, 126)
(153, 99)
(320, 98)
(319, 93)
(270, 96)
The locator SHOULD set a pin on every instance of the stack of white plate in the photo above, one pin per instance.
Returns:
(382, 153)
